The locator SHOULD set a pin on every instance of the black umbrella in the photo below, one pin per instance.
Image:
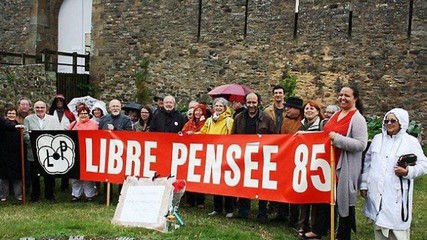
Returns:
(132, 106)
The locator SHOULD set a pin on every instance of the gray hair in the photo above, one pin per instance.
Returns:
(332, 108)
(222, 100)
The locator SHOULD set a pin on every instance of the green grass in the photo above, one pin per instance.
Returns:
(61, 219)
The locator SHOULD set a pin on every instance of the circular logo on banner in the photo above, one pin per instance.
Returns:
(56, 154)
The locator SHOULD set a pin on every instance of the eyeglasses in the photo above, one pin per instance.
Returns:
(391, 121)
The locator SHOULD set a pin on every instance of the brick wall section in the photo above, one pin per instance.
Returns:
(390, 69)
(16, 31)
(30, 81)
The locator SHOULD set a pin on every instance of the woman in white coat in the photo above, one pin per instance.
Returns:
(387, 187)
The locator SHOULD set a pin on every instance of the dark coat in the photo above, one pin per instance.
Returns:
(120, 122)
(163, 121)
(264, 123)
(10, 162)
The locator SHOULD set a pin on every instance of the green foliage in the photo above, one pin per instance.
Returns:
(86, 88)
(375, 124)
(141, 76)
(415, 128)
(289, 81)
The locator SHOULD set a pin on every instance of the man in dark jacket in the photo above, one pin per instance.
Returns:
(115, 120)
(253, 121)
(167, 119)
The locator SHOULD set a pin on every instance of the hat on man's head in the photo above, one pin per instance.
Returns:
(294, 102)
(159, 96)
(59, 96)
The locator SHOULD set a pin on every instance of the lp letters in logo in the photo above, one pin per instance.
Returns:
(57, 152)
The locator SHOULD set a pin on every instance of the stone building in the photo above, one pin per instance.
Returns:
(389, 68)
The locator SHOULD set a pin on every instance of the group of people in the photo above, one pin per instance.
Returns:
(387, 187)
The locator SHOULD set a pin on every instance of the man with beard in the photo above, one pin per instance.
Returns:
(115, 120)
(167, 119)
(60, 110)
(277, 110)
(253, 121)
(24, 106)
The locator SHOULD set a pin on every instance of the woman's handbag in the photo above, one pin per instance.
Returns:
(407, 160)
(404, 161)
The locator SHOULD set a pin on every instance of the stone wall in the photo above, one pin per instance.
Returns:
(30, 81)
(389, 68)
(29, 26)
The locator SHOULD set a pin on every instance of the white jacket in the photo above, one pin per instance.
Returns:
(384, 201)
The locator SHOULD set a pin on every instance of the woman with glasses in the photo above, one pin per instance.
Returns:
(387, 187)
(143, 124)
(348, 132)
(10, 161)
(79, 187)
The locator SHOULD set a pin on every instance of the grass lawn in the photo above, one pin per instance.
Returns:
(62, 219)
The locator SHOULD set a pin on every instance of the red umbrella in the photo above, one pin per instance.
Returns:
(231, 92)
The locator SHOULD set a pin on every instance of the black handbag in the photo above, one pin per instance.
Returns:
(407, 160)
(404, 161)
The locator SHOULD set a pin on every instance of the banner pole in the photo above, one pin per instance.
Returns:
(21, 132)
(108, 193)
(332, 203)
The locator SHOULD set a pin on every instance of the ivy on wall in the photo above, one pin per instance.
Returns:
(142, 91)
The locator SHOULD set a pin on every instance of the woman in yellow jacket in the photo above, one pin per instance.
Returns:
(220, 122)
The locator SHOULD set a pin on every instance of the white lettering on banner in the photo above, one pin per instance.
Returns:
(115, 160)
(269, 167)
(250, 165)
(115, 157)
(133, 154)
(193, 161)
(300, 181)
(213, 163)
(124, 157)
(233, 152)
(102, 155)
(324, 165)
(181, 156)
(148, 158)
(89, 162)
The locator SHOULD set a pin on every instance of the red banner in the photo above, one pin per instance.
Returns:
(285, 168)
